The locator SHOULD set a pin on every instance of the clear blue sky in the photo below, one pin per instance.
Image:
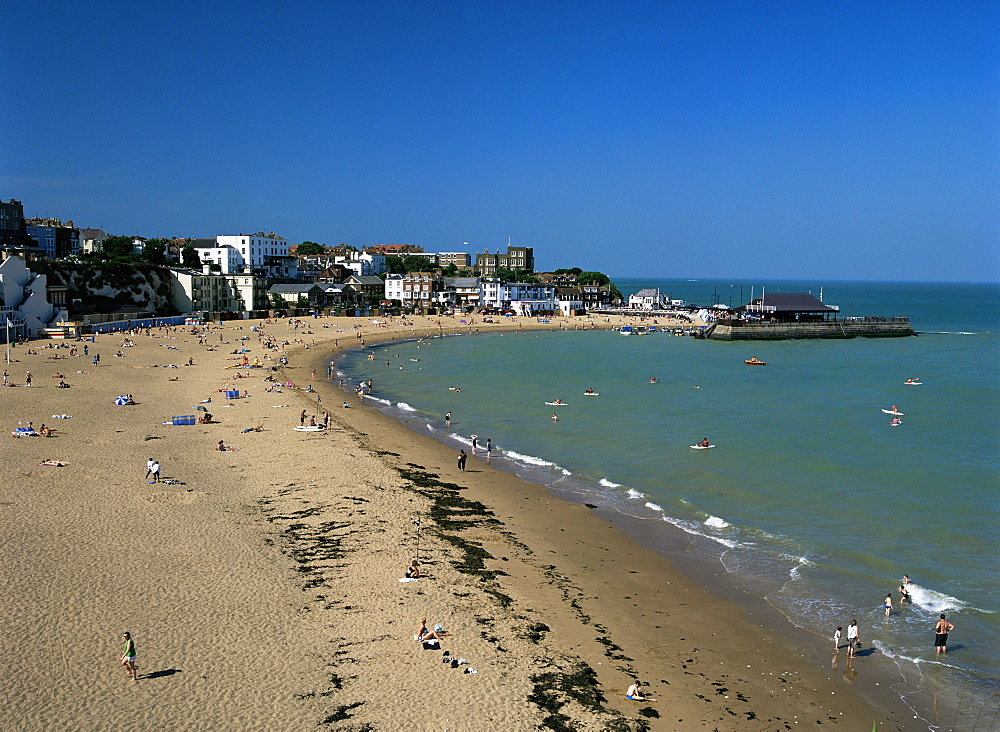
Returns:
(819, 140)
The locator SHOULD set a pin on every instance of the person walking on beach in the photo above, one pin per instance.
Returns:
(149, 467)
(27, 379)
(128, 656)
(489, 449)
(462, 457)
(853, 638)
(154, 470)
(941, 631)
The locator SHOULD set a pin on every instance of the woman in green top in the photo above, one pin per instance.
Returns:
(128, 656)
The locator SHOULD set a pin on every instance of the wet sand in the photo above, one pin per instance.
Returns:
(261, 587)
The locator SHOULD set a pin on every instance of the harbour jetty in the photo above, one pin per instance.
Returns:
(786, 315)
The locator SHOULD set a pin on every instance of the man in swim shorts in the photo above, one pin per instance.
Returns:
(941, 630)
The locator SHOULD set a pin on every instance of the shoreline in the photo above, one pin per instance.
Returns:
(261, 584)
(801, 642)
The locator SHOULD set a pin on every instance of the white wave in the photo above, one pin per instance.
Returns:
(682, 525)
(716, 523)
(935, 602)
(896, 655)
(655, 507)
(801, 562)
(430, 427)
(632, 493)
(376, 399)
(608, 484)
(532, 460)
(405, 407)
(947, 332)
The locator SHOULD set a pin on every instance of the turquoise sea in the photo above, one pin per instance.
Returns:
(811, 500)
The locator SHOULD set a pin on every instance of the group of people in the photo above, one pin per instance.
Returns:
(941, 628)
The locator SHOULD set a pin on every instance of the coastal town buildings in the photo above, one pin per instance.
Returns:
(194, 291)
(13, 233)
(648, 299)
(413, 289)
(365, 288)
(517, 259)
(394, 250)
(301, 295)
(260, 252)
(54, 238)
(462, 260)
(523, 298)
(92, 240)
(462, 292)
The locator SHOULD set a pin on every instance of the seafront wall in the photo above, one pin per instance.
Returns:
(826, 329)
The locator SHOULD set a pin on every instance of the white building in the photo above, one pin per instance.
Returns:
(374, 263)
(227, 259)
(524, 298)
(394, 287)
(260, 252)
(25, 303)
(256, 249)
(648, 299)
(193, 291)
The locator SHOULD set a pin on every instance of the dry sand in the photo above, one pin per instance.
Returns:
(261, 586)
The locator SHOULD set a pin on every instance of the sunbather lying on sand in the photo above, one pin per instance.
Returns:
(56, 463)
(258, 428)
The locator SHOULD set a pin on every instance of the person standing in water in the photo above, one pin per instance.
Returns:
(447, 419)
(888, 604)
(853, 638)
(941, 631)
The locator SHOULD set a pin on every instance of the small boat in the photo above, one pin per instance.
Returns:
(754, 362)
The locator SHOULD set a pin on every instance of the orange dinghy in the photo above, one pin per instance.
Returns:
(754, 362)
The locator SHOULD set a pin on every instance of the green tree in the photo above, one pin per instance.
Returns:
(450, 271)
(310, 248)
(155, 251)
(190, 257)
(117, 247)
(416, 264)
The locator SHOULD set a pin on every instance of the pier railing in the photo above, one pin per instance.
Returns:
(768, 323)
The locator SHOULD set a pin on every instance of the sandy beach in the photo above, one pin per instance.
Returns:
(261, 584)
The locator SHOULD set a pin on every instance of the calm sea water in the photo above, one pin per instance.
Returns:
(810, 499)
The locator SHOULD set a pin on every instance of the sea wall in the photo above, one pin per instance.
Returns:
(827, 329)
